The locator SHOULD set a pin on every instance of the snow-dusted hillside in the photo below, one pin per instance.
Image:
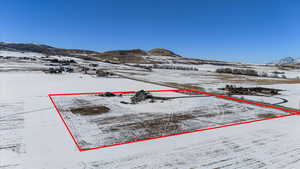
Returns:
(287, 61)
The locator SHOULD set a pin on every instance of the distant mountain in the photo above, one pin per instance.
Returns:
(135, 56)
(40, 48)
(162, 52)
(140, 52)
(124, 56)
(287, 61)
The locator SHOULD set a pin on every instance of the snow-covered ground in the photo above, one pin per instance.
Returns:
(268, 144)
(35, 137)
(127, 122)
(32, 135)
(208, 79)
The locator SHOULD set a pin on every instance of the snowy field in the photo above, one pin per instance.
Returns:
(205, 78)
(34, 137)
(30, 127)
(131, 122)
(208, 80)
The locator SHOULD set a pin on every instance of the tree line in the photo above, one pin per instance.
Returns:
(248, 72)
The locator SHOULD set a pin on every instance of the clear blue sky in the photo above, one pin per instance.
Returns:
(255, 31)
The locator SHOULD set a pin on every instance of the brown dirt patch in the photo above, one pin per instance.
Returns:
(90, 110)
(266, 115)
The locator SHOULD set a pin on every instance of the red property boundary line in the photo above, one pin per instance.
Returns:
(292, 113)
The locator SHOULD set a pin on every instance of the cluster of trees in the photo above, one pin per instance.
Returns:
(173, 67)
(63, 62)
(54, 70)
(156, 66)
(102, 73)
(16, 58)
(249, 72)
(58, 70)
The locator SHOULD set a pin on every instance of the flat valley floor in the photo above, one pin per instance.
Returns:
(33, 135)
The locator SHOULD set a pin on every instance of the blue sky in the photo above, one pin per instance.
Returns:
(256, 31)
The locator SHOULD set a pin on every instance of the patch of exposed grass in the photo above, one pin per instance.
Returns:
(266, 115)
(165, 124)
(184, 86)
